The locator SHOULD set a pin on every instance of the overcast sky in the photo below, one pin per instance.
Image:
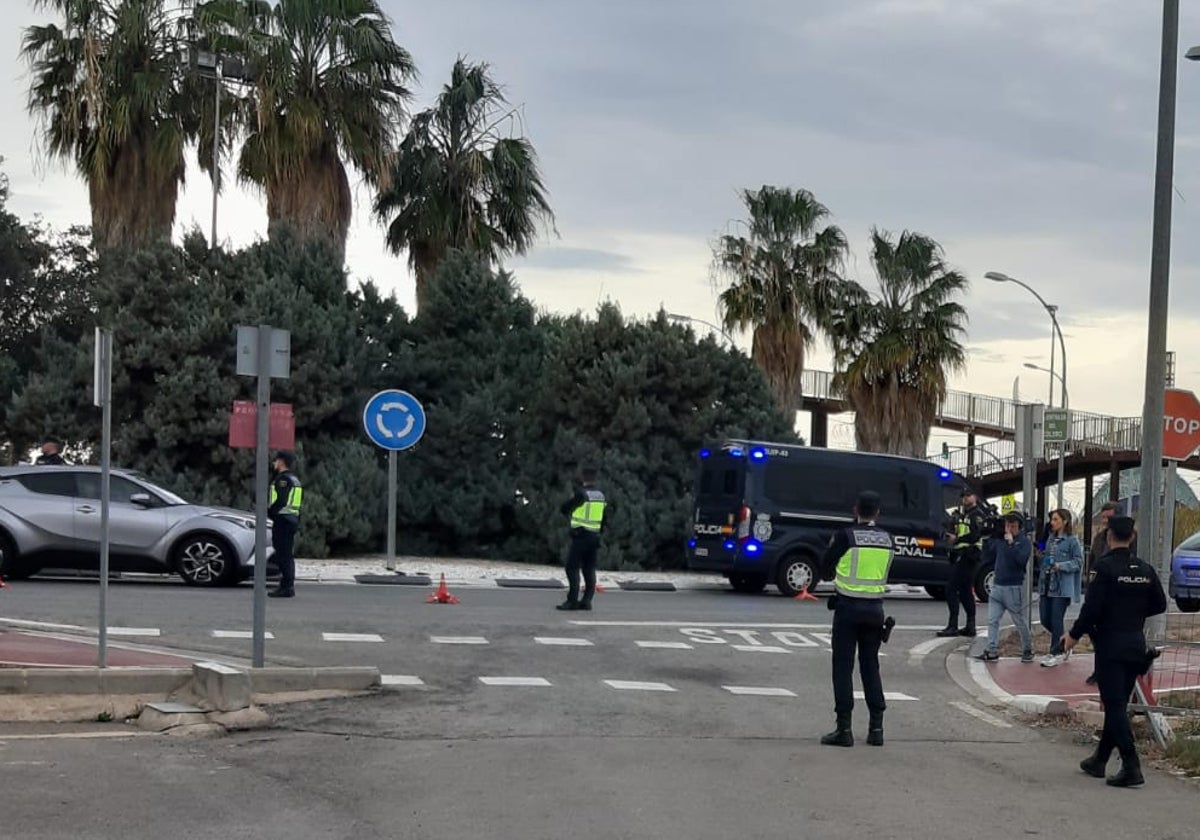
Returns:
(1018, 133)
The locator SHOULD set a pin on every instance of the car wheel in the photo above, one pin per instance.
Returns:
(1188, 605)
(11, 565)
(984, 578)
(749, 584)
(937, 593)
(796, 573)
(205, 560)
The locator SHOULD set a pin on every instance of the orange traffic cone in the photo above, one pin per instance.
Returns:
(3, 585)
(599, 588)
(805, 596)
(442, 596)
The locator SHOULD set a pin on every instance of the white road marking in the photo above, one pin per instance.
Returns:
(963, 706)
(701, 623)
(458, 640)
(399, 679)
(351, 637)
(561, 642)
(827, 638)
(918, 652)
(761, 648)
(664, 645)
(134, 631)
(239, 634)
(626, 685)
(514, 681)
(758, 691)
(887, 695)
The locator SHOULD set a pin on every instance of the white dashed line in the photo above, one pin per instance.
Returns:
(134, 631)
(761, 648)
(778, 626)
(664, 645)
(887, 695)
(515, 681)
(351, 637)
(458, 640)
(759, 691)
(399, 679)
(625, 685)
(561, 642)
(981, 715)
(239, 634)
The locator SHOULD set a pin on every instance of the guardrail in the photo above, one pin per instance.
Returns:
(1120, 434)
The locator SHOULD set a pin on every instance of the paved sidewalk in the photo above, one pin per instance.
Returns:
(35, 650)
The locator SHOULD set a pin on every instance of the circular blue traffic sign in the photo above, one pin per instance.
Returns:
(394, 420)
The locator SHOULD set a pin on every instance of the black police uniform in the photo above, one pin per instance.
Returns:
(964, 557)
(51, 460)
(1125, 592)
(583, 553)
(283, 532)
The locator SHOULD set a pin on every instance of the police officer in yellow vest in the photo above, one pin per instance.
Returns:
(858, 560)
(284, 512)
(588, 510)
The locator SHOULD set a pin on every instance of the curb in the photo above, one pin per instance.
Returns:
(394, 580)
(972, 676)
(530, 583)
(647, 585)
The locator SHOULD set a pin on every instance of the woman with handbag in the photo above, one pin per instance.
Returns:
(1059, 584)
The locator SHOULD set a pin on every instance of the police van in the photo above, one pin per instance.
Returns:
(764, 513)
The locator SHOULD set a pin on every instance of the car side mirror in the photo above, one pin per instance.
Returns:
(142, 499)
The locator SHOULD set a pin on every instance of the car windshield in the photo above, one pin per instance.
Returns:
(1192, 543)
(166, 495)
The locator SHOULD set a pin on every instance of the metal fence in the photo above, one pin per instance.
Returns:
(1089, 434)
(1170, 693)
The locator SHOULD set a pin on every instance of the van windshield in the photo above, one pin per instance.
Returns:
(722, 478)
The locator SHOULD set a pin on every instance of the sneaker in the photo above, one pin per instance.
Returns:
(1050, 661)
(1026, 656)
(988, 656)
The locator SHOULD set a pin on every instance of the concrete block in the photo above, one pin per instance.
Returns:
(531, 583)
(1095, 719)
(162, 681)
(63, 681)
(394, 580)
(646, 585)
(276, 680)
(1089, 706)
(1037, 704)
(346, 678)
(159, 717)
(253, 717)
(197, 730)
(225, 689)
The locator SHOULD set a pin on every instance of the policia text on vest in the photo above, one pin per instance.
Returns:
(588, 511)
(858, 561)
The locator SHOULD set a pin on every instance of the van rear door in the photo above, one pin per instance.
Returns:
(720, 488)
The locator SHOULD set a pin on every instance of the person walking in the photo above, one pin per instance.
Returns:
(858, 561)
(589, 511)
(287, 495)
(1059, 584)
(1125, 592)
(1008, 588)
(965, 551)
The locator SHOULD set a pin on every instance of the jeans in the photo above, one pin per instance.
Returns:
(1051, 609)
(283, 540)
(1011, 600)
(961, 588)
(582, 557)
(857, 624)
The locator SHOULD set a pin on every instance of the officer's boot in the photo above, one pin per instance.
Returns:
(1130, 774)
(1094, 765)
(842, 736)
(875, 729)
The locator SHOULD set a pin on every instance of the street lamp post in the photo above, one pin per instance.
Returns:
(1066, 404)
(211, 65)
(679, 319)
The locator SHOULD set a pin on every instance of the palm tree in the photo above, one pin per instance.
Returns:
(110, 86)
(894, 351)
(330, 86)
(459, 182)
(784, 276)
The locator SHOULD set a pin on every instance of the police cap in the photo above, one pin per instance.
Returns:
(1121, 528)
(288, 458)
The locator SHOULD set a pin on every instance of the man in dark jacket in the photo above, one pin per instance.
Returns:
(51, 453)
(1125, 592)
(287, 495)
(1098, 549)
(1008, 588)
(965, 551)
(589, 511)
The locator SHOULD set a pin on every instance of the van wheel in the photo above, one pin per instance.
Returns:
(983, 582)
(750, 584)
(1188, 605)
(796, 573)
(937, 593)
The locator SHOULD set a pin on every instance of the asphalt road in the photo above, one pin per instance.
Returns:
(689, 714)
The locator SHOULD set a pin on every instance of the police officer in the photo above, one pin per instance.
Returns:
(589, 512)
(965, 551)
(284, 512)
(51, 453)
(858, 560)
(1125, 592)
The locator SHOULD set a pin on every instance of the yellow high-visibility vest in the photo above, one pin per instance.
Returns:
(862, 572)
(590, 515)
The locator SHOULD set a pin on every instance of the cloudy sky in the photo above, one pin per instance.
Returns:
(1018, 133)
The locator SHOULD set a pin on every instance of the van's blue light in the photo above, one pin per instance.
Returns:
(691, 543)
(736, 453)
(704, 453)
(752, 547)
(730, 545)
(944, 474)
(758, 454)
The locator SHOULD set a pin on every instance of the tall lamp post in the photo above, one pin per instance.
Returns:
(680, 319)
(1066, 404)
(211, 65)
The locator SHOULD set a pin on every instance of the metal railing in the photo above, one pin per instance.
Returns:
(1118, 434)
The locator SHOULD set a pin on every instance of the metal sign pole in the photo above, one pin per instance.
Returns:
(1028, 492)
(103, 393)
(391, 512)
(1168, 540)
(260, 494)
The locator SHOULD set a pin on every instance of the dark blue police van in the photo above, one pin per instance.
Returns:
(764, 513)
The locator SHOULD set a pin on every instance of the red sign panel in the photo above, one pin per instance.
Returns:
(1181, 424)
(243, 421)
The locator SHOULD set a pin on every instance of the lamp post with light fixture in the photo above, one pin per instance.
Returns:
(1066, 404)
(680, 319)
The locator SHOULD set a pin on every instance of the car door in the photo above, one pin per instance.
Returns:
(48, 507)
(133, 528)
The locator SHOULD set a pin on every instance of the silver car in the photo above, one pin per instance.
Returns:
(50, 518)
